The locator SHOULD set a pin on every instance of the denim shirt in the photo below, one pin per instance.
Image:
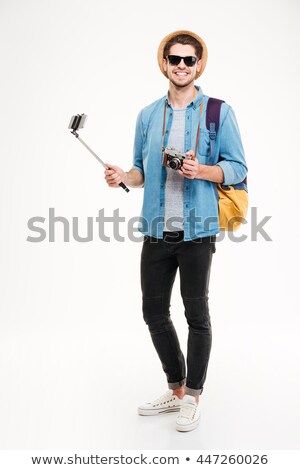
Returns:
(200, 197)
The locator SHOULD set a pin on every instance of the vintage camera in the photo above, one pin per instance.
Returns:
(174, 159)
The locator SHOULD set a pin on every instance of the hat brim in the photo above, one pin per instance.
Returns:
(160, 52)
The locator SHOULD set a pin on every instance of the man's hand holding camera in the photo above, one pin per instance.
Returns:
(190, 167)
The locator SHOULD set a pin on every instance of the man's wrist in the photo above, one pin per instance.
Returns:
(212, 173)
(200, 171)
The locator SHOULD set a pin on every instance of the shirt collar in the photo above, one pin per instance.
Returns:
(195, 103)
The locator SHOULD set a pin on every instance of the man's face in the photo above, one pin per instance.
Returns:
(181, 75)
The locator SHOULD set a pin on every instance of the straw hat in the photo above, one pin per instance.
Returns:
(160, 52)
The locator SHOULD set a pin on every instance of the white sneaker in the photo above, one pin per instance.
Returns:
(164, 404)
(189, 415)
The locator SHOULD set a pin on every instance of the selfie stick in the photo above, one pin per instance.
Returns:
(77, 122)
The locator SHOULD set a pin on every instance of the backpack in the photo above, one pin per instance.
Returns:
(233, 199)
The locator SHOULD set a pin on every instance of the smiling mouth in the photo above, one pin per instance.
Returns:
(181, 74)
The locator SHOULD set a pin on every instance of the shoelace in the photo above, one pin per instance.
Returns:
(188, 411)
(164, 398)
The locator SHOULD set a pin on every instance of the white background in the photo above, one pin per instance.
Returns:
(76, 357)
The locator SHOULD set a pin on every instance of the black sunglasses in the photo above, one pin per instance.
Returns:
(189, 60)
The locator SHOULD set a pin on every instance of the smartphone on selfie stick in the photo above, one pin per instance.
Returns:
(77, 122)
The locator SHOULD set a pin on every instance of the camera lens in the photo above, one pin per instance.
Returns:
(175, 163)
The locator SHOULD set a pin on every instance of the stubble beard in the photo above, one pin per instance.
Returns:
(181, 85)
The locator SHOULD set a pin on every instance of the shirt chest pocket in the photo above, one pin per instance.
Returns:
(203, 151)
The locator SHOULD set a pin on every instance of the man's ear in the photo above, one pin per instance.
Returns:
(199, 65)
(164, 64)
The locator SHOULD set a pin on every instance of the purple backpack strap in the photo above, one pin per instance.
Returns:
(212, 122)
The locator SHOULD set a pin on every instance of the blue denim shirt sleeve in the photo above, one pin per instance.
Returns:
(231, 152)
(138, 145)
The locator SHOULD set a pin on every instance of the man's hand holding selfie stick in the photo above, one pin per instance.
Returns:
(115, 175)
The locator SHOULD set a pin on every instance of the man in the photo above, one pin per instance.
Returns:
(180, 217)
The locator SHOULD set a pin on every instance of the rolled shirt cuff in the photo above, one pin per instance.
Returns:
(227, 171)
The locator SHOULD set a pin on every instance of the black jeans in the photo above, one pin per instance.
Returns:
(160, 259)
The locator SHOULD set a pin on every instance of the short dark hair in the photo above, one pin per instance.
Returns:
(183, 39)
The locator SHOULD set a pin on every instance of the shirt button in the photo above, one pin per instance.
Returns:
(187, 133)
